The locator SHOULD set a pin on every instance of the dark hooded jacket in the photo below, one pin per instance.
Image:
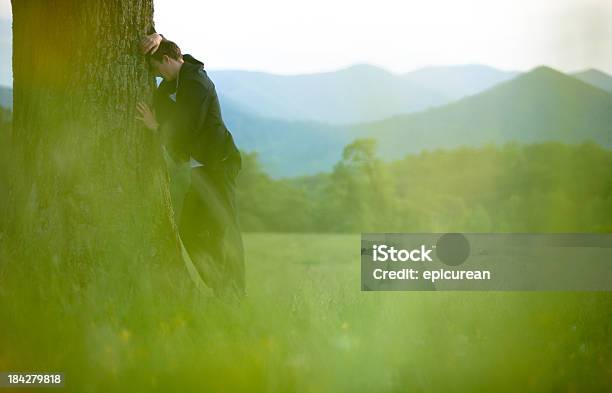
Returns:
(190, 116)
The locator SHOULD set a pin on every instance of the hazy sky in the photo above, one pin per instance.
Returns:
(287, 36)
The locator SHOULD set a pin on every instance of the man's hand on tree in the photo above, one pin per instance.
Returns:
(150, 43)
(147, 116)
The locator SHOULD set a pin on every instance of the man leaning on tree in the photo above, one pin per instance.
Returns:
(188, 114)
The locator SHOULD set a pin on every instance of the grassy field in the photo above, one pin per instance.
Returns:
(306, 327)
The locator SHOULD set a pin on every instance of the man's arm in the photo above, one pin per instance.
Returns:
(165, 109)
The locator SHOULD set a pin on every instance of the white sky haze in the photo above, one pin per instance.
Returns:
(288, 36)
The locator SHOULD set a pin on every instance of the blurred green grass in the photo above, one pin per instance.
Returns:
(304, 327)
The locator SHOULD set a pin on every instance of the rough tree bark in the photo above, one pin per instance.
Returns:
(89, 184)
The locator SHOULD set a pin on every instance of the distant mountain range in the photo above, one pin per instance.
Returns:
(540, 105)
(353, 95)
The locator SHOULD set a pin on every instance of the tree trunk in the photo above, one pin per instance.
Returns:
(89, 185)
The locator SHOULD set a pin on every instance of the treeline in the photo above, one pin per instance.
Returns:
(546, 187)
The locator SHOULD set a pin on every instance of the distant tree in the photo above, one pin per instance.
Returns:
(88, 183)
(361, 191)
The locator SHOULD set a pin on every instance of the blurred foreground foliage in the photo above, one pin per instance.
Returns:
(303, 327)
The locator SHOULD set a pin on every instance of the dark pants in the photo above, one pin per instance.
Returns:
(210, 230)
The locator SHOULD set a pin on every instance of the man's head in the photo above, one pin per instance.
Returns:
(167, 60)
